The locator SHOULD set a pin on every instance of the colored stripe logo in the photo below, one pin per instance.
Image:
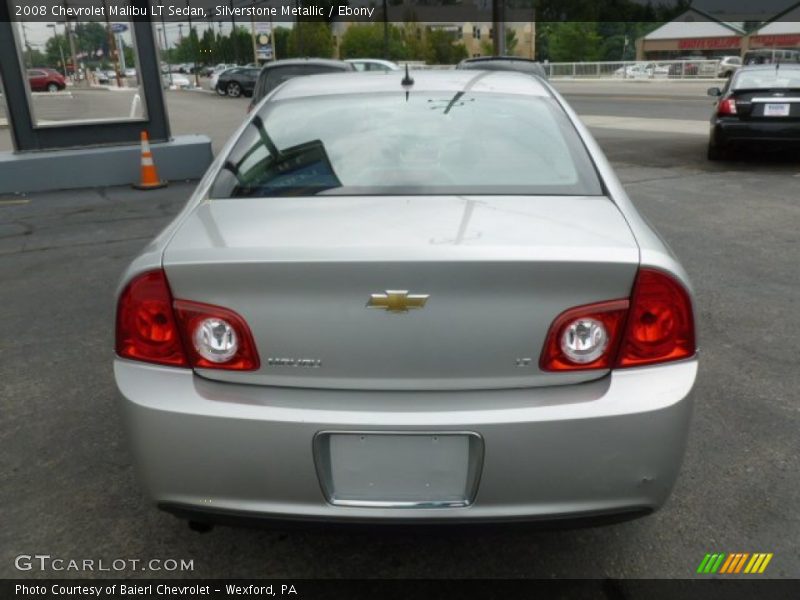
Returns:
(735, 563)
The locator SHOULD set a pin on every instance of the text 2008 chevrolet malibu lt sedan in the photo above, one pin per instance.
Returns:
(407, 299)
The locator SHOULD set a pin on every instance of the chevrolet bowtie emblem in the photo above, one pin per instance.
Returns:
(397, 301)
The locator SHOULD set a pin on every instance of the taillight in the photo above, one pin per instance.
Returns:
(727, 107)
(146, 326)
(655, 326)
(152, 327)
(216, 338)
(660, 325)
(584, 337)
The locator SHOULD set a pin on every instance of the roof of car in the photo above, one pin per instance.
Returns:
(328, 62)
(770, 67)
(452, 81)
(370, 60)
(494, 58)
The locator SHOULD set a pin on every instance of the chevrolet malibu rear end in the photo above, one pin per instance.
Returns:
(407, 300)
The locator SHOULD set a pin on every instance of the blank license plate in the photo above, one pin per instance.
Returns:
(776, 110)
(399, 470)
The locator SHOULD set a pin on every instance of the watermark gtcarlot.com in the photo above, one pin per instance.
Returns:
(46, 562)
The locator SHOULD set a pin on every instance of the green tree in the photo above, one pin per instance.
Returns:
(208, 47)
(188, 50)
(441, 48)
(361, 41)
(280, 39)
(487, 45)
(413, 39)
(311, 38)
(574, 41)
(90, 37)
(130, 57)
(53, 52)
(511, 41)
(36, 58)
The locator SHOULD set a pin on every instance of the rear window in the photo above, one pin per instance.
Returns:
(272, 78)
(426, 143)
(764, 79)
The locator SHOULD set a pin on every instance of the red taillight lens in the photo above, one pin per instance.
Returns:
(660, 325)
(656, 326)
(601, 323)
(727, 107)
(216, 338)
(146, 327)
(152, 327)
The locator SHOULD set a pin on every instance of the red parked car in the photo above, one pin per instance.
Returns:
(46, 80)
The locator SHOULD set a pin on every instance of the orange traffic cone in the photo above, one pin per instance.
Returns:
(149, 177)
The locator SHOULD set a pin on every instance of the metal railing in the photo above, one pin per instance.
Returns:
(631, 70)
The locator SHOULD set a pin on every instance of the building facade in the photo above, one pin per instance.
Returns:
(696, 33)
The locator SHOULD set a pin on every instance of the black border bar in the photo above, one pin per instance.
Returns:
(417, 589)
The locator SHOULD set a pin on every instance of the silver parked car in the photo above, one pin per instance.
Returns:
(407, 299)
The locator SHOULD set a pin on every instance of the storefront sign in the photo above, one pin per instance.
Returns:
(709, 43)
(775, 41)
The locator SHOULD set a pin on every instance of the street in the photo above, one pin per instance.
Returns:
(69, 488)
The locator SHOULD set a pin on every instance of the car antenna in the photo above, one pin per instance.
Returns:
(407, 80)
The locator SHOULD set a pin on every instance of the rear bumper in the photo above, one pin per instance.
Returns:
(610, 446)
(726, 132)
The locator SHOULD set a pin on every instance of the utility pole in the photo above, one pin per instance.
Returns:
(71, 42)
(385, 30)
(27, 53)
(272, 39)
(110, 39)
(193, 47)
(166, 44)
(233, 35)
(499, 27)
(121, 51)
(298, 30)
(253, 36)
(60, 47)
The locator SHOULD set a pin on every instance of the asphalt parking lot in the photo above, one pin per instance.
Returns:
(68, 487)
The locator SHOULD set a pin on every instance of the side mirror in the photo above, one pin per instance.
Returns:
(714, 91)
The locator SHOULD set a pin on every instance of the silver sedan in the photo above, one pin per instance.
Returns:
(418, 297)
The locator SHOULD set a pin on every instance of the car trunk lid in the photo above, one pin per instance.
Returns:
(496, 272)
(768, 105)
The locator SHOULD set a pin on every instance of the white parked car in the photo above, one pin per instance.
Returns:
(177, 80)
(728, 65)
(642, 71)
(373, 65)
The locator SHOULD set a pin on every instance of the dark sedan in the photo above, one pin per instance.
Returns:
(275, 73)
(759, 106)
(504, 63)
(236, 82)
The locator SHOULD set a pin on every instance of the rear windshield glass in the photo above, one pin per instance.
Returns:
(275, 76)
(426, 143)
(764, 79)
